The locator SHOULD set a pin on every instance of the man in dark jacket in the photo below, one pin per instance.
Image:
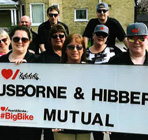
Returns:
(34, 45)
(115, 28)
(44, 28)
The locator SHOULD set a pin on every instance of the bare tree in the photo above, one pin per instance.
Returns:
(142, 6)
(136, 2)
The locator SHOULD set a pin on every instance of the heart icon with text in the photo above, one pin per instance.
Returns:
(4, 108)
(7, 73)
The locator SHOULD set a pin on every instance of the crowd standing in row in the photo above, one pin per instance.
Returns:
(57, 46)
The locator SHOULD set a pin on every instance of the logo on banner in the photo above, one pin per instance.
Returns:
(10, 74)
(7, 73)
(4, 108)
(14, 114)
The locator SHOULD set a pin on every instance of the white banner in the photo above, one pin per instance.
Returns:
(78, 96)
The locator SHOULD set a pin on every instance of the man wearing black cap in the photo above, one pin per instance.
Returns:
(115, 28)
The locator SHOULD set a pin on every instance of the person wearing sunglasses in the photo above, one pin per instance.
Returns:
(20, 39)
(34, 45)
(73, 52)
(57, 38)
(4, 42)
(137, 39)
(45, 27)
(116, 31)
(100, 52)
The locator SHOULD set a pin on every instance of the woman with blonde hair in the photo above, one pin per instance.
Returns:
(4, 42)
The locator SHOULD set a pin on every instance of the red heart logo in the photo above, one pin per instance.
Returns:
(136, 30)
(102, 28)
(7, 73)
(2, 108)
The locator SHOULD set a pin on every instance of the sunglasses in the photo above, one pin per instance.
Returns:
(103, 10)
(138, 38)
(98, 34)
(3, 40)
(72, 47)
(56, 36)
(23, 39)
(51, 15)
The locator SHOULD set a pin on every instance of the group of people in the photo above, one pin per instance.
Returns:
(54, 44)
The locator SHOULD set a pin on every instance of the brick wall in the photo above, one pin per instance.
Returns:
(122, 10)
(68, 13)
(27, 4)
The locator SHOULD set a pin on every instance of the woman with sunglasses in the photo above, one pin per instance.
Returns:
(73, 52)
(4, 42)
(137, 39)
(20, 40)
(57, 38)
(100, 52)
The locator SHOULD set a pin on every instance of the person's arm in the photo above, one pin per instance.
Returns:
(125, 42)
(121, 35)
(41, 40)
(19, 61)
(67, 29)
(86, 41)
(42, 47)
(31, 51)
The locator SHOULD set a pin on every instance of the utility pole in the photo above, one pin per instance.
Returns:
(135, 10)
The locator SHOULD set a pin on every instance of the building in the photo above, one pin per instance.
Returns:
(35, 9)
(75, 13)
(8, 13)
